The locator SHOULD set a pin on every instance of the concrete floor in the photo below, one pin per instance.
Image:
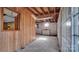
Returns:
(42, 44)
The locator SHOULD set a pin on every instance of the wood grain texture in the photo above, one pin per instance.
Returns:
(13, 40)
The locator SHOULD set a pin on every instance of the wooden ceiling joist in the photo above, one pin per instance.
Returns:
(12, 9)
(47, 15)
(31, 11)
(57, 9)
(42, 10)
(36, 10)
(49, 10)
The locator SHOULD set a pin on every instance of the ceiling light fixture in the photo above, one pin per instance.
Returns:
(46, 24)
(68, 23)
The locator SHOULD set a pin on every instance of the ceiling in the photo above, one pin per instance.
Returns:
(45, 13)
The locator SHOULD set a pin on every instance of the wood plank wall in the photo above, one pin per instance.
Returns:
(13, 40)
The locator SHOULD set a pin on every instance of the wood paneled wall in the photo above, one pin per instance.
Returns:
(13, 40)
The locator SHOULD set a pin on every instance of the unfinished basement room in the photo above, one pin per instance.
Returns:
(39, 29)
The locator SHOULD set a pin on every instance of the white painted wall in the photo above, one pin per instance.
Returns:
(52, 29)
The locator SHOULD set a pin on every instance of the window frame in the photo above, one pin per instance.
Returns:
(2, 19)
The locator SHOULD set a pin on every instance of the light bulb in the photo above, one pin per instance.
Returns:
(46, 24)
(68, 23)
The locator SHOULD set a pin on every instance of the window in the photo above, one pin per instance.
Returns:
(11, 20)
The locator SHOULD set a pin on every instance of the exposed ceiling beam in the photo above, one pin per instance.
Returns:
(39, 21)
(48, 19)
(49, 13)
(54, 14)
(57, 9)
(56, 17)
(54, 10)
(48, 10)
(42, 10)
(36, 10)
(44, 19)
(10, 8)
(31, 11)
(46, 15)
